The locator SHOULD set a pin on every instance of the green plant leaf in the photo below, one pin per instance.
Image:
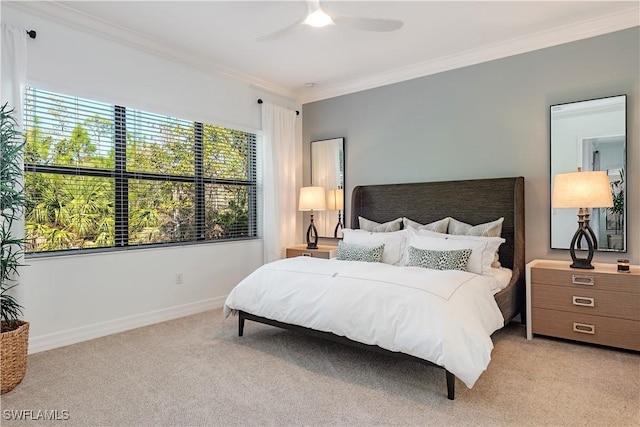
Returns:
(11, 204)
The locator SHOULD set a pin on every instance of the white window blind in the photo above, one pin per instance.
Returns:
(104, 176)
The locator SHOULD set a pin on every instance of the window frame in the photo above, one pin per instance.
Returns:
(121, 187)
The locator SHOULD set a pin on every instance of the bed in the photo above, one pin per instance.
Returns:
(340, 284)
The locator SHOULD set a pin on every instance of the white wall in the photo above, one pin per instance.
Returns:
(73, 298)
(76, 297)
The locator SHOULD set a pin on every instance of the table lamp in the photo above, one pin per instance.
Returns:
(335, 202)
(582, 190)
(312, 199)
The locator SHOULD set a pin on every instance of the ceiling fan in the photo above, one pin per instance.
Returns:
(316, 17)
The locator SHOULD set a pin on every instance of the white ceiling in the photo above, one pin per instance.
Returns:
(221, 36)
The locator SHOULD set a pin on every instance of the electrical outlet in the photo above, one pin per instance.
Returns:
(178, 278)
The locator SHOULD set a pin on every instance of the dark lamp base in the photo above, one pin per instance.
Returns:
(584, 232)
(312, 235)
(582, 263)
(338, 226)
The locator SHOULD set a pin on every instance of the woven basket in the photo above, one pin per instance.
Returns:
(13, 358)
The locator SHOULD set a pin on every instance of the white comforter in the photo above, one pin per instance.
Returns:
(445, 317)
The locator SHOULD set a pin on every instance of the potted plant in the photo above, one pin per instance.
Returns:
(14, 333)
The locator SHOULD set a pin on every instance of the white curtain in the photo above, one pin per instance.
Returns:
(279, 180)
(13, 76)
(14, 68)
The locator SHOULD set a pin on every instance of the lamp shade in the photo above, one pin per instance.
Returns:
(335, 199)
(581, 190)
(312, 199)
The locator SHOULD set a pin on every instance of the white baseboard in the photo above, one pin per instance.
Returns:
(97, 330)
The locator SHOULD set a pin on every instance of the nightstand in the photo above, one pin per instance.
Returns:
(599, 306)
(323, 251)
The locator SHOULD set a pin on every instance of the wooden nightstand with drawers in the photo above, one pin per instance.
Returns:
(323, 251)
(599, 306)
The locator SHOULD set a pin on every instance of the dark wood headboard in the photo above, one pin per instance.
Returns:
(472, 201)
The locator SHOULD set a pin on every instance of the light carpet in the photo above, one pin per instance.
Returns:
(196, 371)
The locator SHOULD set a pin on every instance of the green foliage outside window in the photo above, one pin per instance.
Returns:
(69, 210)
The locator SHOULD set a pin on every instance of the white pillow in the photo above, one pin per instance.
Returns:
(437, 226)
(394, 242)
(425, 232)
(387, 227)
(495, 261)
(468, 237)
(488, 229)
(483, 248)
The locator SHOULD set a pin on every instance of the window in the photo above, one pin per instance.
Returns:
(106, 176)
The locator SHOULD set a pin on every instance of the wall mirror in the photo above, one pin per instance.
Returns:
(327, 170)
(591, 135)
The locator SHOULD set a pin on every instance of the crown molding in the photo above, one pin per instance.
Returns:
(57, 12)
(61, 14)
(589, 28)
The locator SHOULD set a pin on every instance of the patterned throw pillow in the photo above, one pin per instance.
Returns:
(368, 225)
(439, 260)
(352, 252)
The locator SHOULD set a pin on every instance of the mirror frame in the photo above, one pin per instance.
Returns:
(326, 221)
(599, 215)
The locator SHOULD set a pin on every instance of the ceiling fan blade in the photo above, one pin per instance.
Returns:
(282, 32)
(368, 24)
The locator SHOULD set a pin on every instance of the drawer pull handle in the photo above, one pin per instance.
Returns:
(584, 328)
(584, 301)
(579, 279)
(307, 254)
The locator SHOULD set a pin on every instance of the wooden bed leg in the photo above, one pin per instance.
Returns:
(240, 325)
(451, 385)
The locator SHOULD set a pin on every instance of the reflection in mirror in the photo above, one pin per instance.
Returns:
(327, 170)
(591, 135)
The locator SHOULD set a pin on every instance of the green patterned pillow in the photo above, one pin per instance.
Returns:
(352, 252)
(439, 260)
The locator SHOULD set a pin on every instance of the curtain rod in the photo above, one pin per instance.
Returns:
(260, 102)
(31, 33)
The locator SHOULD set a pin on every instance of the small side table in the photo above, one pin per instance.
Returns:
(598, 306)
(323, 251)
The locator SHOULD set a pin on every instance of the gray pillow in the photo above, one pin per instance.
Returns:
(353, 252)
(439, 260)
(488, 229)
(439, 226)
(368, 225)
